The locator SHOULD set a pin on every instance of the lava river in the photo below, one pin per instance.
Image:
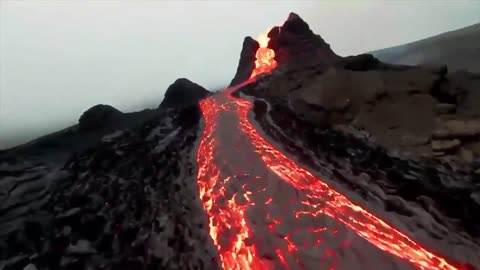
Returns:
(268, 212)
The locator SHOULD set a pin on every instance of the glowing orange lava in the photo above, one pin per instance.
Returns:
(324, 200)
(224, 219)
(228, 226)
(265, 57)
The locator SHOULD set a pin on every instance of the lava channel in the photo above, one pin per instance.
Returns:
(318, 198)
(224, 218)
(323, 200)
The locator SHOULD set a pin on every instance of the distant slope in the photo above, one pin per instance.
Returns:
(99, 121)
(459, 49)
(58, 146)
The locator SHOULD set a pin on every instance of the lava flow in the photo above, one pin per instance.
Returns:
(228, 218)
(237, 255)
(265, 57)
(227, 215)
(321, 199)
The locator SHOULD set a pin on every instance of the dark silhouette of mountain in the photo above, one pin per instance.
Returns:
(295, 43)
(58, 146)
(44, 211)
(98, 116)
(247, 60)
(99, 121)
(458, 49)
(183, 93)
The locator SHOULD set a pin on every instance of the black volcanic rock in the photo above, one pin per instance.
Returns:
(99, 121)
(352, 159)
(97, 116)
(367, 62)
(183, 93)
(362, 62)
(127, 203)
(247, 60)
(294, 42)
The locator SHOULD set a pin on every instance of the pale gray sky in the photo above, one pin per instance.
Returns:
(58, 58)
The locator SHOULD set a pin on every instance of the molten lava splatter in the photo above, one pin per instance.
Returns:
(265, 57)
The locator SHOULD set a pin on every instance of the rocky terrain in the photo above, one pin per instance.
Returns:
(295, 46)
(420, 112)
(128, 199)
(129, 202)
(405, 136)
(370, 170)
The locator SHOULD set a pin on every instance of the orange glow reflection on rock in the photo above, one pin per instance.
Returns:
(324, 200)
(265, 56)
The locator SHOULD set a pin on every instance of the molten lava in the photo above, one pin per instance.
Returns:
(323, 200)
(227, 218)
(228, 226)
(265, 57)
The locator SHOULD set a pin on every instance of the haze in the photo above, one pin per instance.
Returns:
(58, 59)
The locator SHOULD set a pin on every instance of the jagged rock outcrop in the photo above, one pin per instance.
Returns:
(295, 43)
(247, 60)
(183, 92)
(403, 108)
(97, 116)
